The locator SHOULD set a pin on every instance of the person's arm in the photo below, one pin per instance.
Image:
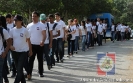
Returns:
(30, 46)
(44, 37)
(58, 31)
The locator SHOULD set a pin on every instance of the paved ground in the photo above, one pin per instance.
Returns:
(82, 67)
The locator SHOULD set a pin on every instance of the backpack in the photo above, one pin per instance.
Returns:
(69, 36)
(2, 35)
(52, 28)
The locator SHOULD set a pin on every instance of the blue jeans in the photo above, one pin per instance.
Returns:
(113, 35)
(46, 52)
(19, 59)
(1, 68)
(59, 49)
(89, 37)
(83, 42)
(122, 36)
(76, 43)
(71, 46)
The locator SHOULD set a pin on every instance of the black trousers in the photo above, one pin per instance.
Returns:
(118, 36)
(104, 36)
(37, 50)
(46, 53)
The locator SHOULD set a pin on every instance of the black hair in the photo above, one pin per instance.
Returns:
(3, 22)
(83, 24)
(51, 15)
(35, 12)
(57, 13)
(88, 20)
(8, 16)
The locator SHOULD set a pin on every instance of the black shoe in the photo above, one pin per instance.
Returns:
(57, 61)
(49, 67)
(13, 75)
(61, 60)
(41, 75)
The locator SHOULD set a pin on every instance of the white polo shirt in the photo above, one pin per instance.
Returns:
(113, 28)
(100, 29)
(72, 28)
(6, 36)
(10, 26)
(55, 30)
(123, 28)
(19, 37)
(104, 26)
(82, 30)
(89, 26)
(62, 24)
(77, 31)
(35, 31)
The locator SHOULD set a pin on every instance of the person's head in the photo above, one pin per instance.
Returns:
(35, 16)
(57, 16)
(104, 21)
(82, 23)
(98, 19)
(75, 21)
(43, 18)
(18, 20)
(9, 18)
(88, 20)
(70, 22)
(51, 18)
(3, 22)
(101, 21)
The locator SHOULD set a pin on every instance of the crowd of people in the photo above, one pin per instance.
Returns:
(44, 37)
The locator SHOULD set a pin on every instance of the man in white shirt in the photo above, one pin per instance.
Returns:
(113, 32)
(100, 33)
(37, 32)
(48, 40)
(3, 48)
(60, 39)
(10, 25)
(89, 32)
(123, 28)
(118, 31)
(55, 33)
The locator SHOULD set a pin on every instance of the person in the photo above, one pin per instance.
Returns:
(20, 49)
(118, 28)
(48, 40)
(94, 34)
(60, 39)
(83, 33)
(100, 33)
(55, 32)
(4, 45)
(76, 36)
(10, 25)
(89, 32)
(71, 29)
(123, 28)
(113, 32)
(37, 32)
(129, 30)
(104, 30)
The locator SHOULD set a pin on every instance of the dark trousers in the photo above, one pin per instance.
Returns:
(89, 37)
(19, 59)
(37, 50)
(1, 68)
(46, 53)
(118, 36)
(92, 40)
(5, 70)
(26, 66)
(71, 46)
(59, 50)
(100, 37)
(53, 51)
(104, 36)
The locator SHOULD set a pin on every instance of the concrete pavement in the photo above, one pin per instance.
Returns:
(83, 67)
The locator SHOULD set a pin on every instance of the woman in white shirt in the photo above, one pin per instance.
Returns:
(83, 33)
(20, 47)
(94, 35)
(76, 35)
(71, 29)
